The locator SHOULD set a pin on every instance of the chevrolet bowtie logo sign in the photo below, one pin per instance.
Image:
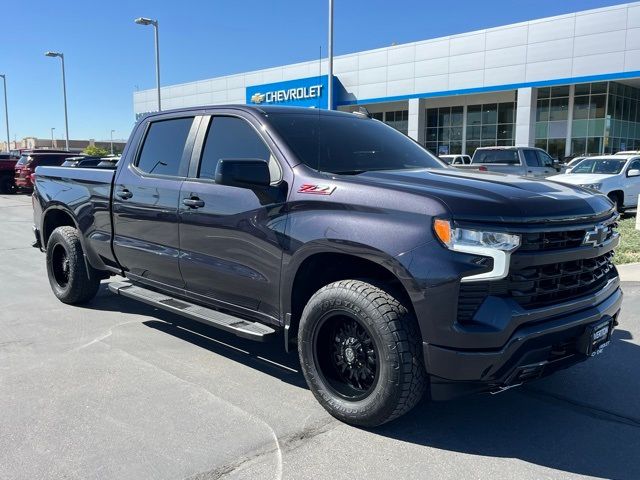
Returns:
(257, 98)
(288, 95)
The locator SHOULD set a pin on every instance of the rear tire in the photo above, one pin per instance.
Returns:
(72, 280)
(6, 184)
(361, 353)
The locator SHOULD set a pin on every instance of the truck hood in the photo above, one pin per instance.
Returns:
(488, 196)
(580, 178)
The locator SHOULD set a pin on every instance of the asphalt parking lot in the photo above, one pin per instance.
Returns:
(117, 389)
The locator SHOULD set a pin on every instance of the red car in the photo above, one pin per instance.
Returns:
(28, 162)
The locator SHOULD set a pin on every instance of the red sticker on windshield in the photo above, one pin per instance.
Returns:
(316, 189)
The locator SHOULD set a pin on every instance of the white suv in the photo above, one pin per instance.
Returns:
(617, 176)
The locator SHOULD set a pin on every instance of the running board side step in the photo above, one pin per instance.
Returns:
(237, 326)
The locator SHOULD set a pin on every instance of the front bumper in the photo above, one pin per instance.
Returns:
(534, 349)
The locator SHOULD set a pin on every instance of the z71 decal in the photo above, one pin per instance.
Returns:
(316, 189)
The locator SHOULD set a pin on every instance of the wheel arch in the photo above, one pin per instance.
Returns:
(53, 217)
(617, 195)
(318, 267)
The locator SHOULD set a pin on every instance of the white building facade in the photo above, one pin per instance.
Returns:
(569, 84)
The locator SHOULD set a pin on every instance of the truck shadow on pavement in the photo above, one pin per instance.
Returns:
(267, 357)
(584, 420)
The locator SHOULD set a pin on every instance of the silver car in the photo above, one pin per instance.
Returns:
(522, 161)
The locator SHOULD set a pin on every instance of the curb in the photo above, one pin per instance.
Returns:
(629, 272)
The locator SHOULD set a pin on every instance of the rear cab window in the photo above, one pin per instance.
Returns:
(507, 157)
(163, 147)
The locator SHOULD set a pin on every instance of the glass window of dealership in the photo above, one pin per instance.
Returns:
(570, 120)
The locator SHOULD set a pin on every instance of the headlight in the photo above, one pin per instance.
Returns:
(592, 186)
(497, 245)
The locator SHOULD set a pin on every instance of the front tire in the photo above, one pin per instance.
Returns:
(360, 352)
(72, 280)
(618, 201)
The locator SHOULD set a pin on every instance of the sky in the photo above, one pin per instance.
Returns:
(108, 57)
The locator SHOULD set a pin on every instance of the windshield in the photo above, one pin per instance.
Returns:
(604, 167)
(349, 144)
(24, 159)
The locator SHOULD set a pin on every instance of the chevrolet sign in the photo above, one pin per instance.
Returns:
(303, 92)
(279, 96)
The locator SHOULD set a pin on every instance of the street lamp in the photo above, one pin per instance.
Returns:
(149, 21)
(6, 112)
(330, 59)
(52, 142)
(64, 93)
(112, 141)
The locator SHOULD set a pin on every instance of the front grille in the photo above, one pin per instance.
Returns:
(534, 287)
(545, 241)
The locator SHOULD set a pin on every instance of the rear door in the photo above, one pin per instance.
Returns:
(533, 167)
(231, 242)
(146, 195)
(546, 164)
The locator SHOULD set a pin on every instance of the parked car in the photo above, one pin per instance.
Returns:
(523, 161)
(628, 152)
(109, 162)
(7, 166)
(566, 168)
(30, 160)
(616, 176)
(456, 159)
(82, 162)
(389, 272)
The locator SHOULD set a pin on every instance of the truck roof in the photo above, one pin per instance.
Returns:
(259, 109)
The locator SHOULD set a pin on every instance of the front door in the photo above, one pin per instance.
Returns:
(632, 185)
(145, 203)
(230, 237)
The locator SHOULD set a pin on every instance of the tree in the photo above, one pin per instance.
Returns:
(96, 151)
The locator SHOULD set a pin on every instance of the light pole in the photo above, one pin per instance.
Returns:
(112, 141)
(6, 112)
(149, 21)
(330, 53)
(52, 141)
(64, 93)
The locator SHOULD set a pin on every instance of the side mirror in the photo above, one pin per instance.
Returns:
(243, 173)
(634, 172)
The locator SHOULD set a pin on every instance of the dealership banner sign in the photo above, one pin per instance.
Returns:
(302, 92)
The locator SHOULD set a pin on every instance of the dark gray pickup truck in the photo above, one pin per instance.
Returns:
(391, 273)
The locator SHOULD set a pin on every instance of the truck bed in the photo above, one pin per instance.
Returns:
(88, 192)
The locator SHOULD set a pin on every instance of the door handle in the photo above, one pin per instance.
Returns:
(193, 202)
(124, 194)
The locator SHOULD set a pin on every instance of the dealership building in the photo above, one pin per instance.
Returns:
(569, 84)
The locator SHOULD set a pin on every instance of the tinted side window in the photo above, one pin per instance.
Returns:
(231, 137)
(49, 160)
(545, 160)
(163, 146)
(531, 158)
(635, 165)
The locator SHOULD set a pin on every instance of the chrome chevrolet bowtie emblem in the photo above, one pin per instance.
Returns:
(595, 237)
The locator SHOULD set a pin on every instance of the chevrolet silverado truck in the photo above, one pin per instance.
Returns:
(524, 161)
(389, 272)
